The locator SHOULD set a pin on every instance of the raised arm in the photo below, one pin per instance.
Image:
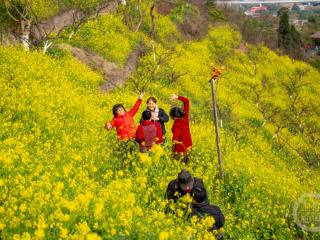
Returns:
(186, 104)
(136, 106)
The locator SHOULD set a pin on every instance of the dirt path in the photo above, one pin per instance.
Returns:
(40, 30)
(114, 75)
(243, 47)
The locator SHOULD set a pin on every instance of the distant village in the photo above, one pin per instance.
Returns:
(264, 8)
(299, 13)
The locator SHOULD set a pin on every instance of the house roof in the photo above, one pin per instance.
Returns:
(315, 35)
(260, 8)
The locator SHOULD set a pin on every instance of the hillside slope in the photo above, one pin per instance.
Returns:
(62, 176)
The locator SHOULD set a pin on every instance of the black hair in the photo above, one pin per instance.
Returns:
(199, 194)
(176, 112)
(153, 99)
(116, 107)
(146, 115)
(184, 177)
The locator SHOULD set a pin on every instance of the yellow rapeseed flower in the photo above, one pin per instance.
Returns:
(93, 236)
(164, 235)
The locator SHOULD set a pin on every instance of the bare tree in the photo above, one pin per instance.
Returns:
(22, 14)
(163, 68)
(33, 31)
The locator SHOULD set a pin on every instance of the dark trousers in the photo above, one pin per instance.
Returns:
(183, 157)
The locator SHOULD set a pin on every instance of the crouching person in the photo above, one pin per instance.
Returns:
(182, 185)
(202, 208)
(148, 132)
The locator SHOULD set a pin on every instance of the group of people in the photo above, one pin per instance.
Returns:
(152, 131)
(152, 125)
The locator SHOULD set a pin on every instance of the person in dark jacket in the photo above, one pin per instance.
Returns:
(201, 207)
(148, 132)
(181, 136)
(182, 185)
(158, 114)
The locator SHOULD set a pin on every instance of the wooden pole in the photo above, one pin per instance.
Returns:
(215, 116)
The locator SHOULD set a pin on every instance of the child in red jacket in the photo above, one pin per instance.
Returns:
(123, 120)
(181, 137)
(148, 132)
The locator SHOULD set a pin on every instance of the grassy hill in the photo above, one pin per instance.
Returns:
(62, 176)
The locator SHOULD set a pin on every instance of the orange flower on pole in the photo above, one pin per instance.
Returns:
(216, 72)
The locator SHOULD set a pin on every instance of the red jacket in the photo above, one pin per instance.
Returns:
(148, 133)
(181, 137)
(125, 126)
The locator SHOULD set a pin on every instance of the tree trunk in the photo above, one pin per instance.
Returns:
(153, 29)
(140, 17)
(46, 46)
(264, 122)
(25, 33)
(152, 34)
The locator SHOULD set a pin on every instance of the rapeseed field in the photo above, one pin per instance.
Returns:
(62, 176)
